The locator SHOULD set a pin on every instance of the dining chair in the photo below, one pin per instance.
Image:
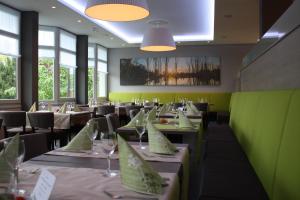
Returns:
(177, 105)
(35, 144)
(14, 122)
(43, 122)
(113, 122)
(133, 113)
(128, 108)
(202, 106)
(105, 109)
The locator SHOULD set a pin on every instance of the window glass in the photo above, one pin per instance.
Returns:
(102, 67)
(46, 78)
(46, 53)
(9, 20)
(46, 38)
(67, 82)
(102, 84)
(67, 41)
(91, 72)
(8, 83)
(102, 53)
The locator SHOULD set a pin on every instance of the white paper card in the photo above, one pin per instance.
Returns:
(44, 186)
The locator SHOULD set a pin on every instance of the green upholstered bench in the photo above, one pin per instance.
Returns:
(218, 101)
(266, 124)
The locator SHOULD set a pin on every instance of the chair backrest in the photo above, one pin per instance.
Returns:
(177, 105)
(102, 124)
(132, 113)
(106, 109)
(42, 120)
(13, 118)
(35, 144)
(201, 106)
(113, 121)
(128, 108)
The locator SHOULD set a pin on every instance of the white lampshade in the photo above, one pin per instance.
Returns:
(158, 39)
(117, 10)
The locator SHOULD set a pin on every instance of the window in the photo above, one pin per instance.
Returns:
(9, 52)
(46, 64)
(67, 65)
(57, 64)
(91, 72)
(97, 72)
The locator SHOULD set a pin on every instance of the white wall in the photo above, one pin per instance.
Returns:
(279, 68)
(231, 58)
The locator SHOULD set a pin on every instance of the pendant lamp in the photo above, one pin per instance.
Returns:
(158, 38)
(117, 10)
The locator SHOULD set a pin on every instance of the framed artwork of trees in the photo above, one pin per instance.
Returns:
(172, 71)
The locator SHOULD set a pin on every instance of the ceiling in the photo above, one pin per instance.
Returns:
(235, 21)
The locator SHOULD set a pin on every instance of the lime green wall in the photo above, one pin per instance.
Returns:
(219, 101)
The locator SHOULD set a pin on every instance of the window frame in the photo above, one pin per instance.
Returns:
(57, 49)
(17, 100)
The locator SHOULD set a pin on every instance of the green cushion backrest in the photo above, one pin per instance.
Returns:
(248, 122)
(123, 96)
(235, 107)
(163, 97)
(271, 116)
(287, 177)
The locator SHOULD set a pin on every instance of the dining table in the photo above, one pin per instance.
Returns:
(193, 137)
(80, 174)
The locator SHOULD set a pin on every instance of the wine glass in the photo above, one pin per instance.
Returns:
(109, 150)
(43, 105)
(92, 136)
(140, 128)
(14, 160)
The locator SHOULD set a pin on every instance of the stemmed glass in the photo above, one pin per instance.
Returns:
(14, 162)
(93, 135)
(109, 150)
(43, 106)
(140, 128)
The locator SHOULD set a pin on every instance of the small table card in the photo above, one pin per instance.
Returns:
(44, 186)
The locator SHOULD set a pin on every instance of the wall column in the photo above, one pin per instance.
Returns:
(82, 69)
(29, 59)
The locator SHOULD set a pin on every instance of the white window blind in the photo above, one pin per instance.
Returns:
(46, 53)
(9, 46)
(67, 41)
(91, 52)
(67, 59)
(91, 63)
(102, 53)
(9, 20)
(102, 67)
(46, 38)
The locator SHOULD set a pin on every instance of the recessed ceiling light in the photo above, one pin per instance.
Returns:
(53, 7)
(79, 21)
(111, 38)
(258, 40)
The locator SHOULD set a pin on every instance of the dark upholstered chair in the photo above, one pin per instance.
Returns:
(43, 122)
(14, 122)
(177, 105)
(128, 108)
(1, 123)
(132, 113)
(35, 144)
(113, 121)
(105, 109)
(202, 106)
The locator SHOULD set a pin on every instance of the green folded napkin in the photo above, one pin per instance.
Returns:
(163, 109)
(184, 122)
(152, 114)
(140, 116)
(82, 140)
(158, 143)
(63, 109)
(11, 153)
(136, 173)
(32, 108)
(76, 108)
(191, 109)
